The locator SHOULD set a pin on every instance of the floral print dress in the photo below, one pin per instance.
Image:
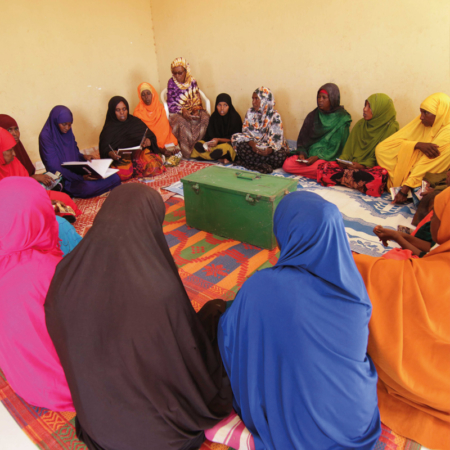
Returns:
(265, 128)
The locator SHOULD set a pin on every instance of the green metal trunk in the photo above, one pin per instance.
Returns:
(235, 203)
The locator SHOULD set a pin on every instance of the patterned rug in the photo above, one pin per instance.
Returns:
(210, 267)
(89, 207)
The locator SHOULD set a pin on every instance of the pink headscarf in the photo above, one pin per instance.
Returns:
(29, 253)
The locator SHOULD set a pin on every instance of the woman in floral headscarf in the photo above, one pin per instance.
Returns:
(261, 146)
(187, 117)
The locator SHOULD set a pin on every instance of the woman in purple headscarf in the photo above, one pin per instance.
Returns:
(57, 145)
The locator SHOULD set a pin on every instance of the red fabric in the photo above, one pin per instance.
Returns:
(425, 220)
(323, 91)
(29, 253)
(61, 197)
(374, 182)
(21, 154)
(399, 255)
(292, 166)
(7, 142)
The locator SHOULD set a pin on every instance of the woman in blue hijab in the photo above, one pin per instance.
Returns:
(57, 145)
(294, 341)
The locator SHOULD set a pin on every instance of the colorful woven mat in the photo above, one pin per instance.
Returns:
(89, 207)
(210, 267)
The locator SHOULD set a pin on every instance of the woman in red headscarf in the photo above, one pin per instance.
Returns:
(29, 253)
(9, 124)
(10, 166)
(409, 335)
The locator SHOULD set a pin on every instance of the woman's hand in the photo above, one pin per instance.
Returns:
(44, 179)
(89, 178)
(356, 165)
(385, 235)
(312, 160)
(266, 152)
(88, 157)
(253, 146)
(401, 196)
(428, 149)
(186, 115)
(213, 143)
(147, 143)
(113, 155)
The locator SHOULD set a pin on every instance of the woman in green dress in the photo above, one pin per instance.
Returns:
(323, 134)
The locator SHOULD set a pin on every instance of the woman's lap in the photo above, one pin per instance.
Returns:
(291, 165)
(247, 158)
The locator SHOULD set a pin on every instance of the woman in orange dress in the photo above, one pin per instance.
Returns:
(409, 335)
(152, 113)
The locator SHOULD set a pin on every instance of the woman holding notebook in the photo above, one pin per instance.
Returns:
(129, 142)
(57, 145)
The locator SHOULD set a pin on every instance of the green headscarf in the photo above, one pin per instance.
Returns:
(324, 133)
(367, 134)
(330, 131)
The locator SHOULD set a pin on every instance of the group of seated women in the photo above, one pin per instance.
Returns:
(374, 155)
(312, 352)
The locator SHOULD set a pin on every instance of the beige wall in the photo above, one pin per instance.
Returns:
(82, 53)
(75, 53)
(399, 47)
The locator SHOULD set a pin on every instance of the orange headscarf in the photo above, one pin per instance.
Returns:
(442, 211)
(154, 116)
(409, 337)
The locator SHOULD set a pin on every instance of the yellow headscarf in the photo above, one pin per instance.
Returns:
(407, 137)
(182, 62)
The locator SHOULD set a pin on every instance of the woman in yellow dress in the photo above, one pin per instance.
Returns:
(421, 146)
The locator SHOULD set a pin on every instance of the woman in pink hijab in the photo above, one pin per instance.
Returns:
(29, 253)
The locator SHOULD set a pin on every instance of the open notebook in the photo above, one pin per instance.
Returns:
(96, 168)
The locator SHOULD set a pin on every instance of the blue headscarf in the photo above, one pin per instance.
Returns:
(294, 341)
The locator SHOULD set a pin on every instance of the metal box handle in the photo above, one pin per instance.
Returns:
(252, 200)
(247, 176)
(195, 187)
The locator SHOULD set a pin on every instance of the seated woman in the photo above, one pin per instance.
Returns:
(152, 113)
(9, 124)
(421, 146)
(136, 355)
(304, 328)
(29, 253)
(187, 117)
(10, 166)
(224, 122)
(323, 134)
(57, 145)
(123, 130)
(261, 146)
(409, 339)
(361, 170)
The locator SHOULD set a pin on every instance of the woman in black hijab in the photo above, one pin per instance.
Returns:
(142, 370)
(223, 123)
(123, 130)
